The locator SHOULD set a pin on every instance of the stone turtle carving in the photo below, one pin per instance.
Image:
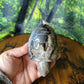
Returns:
(42, 47)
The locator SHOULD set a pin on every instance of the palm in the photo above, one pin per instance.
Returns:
(26, 71)
(18, 66)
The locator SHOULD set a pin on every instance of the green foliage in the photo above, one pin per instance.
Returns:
(9, 10)
(31, 26)
(68, 18)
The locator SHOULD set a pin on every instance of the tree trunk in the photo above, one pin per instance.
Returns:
(50, 16)
(53, 10)
(45, 12)
(21, 16)
(32, 12)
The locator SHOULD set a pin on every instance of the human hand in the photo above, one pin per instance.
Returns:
(17, 65)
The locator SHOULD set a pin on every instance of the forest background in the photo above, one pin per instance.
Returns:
(65, 16)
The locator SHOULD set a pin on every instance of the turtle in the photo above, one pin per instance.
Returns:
(42, 47)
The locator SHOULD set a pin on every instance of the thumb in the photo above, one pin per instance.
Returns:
(18, 52)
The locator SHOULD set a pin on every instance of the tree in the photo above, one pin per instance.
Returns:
(32, 12)
(21, 16)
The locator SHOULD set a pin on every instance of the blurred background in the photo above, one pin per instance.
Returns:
(22, 16)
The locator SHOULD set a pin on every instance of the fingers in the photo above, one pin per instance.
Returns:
(18, 52)
(52, 64)
(33, 71)
(59, 56)
(38, 74)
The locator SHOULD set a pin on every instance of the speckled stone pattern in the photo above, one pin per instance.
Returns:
(42, 46)
(4, 79)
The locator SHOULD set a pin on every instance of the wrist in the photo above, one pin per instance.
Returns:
(4, 78)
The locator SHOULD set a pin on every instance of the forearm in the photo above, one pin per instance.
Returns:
(4, 79)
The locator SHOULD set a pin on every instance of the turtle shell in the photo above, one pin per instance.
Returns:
(42, 44)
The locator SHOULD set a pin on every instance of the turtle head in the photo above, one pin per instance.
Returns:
(43, 68)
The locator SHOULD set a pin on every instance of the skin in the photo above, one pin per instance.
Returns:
(17, 65)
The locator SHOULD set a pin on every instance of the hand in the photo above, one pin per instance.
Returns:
(17, 65)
